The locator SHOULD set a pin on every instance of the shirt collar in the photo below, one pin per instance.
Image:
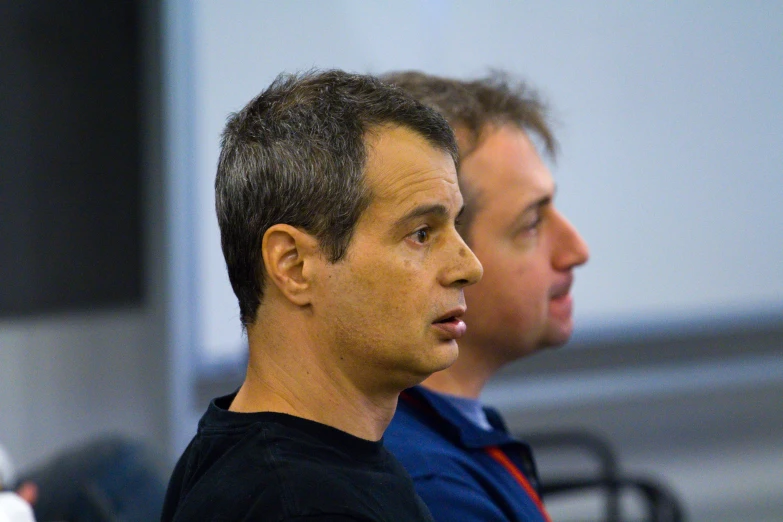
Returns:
(453, 422)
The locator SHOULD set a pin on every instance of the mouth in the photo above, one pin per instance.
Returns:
(561, 305)
(450, 324)
(561, 289)
(452, 315)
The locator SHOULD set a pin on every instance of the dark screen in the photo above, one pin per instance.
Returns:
(70, 150)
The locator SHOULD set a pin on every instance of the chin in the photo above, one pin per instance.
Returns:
(557, 339)
(415, 371)
(559, 330)
(443, 356)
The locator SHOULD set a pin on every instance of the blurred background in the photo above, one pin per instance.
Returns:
(115, 311)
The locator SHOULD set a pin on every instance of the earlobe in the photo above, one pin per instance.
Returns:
(288, 253)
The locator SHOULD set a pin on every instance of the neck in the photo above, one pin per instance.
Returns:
(467, 376)
(289, 372)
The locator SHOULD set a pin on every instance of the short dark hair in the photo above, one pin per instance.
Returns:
(476, 106)
(296, 154)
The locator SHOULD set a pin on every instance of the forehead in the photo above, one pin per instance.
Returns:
(506, 163)
(402, 168)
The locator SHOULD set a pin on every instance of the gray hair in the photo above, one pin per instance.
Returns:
(296, 154)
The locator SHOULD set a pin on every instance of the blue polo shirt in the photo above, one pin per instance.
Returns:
(462, 472)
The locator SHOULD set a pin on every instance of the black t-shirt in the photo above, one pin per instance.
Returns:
(276, 467)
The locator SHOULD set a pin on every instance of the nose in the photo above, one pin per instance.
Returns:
(464, 268)
(570, 249)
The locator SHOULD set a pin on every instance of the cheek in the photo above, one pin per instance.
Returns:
(387, 289)
(512, 290)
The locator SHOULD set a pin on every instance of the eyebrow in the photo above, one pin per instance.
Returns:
(538, 203)
(435, 209)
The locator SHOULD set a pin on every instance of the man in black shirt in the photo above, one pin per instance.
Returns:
(337, 200)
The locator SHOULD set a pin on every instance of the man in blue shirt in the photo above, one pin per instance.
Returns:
(465, 465)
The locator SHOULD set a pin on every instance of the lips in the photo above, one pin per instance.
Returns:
(562, 288)
(450, 325)
(452, 314)
(561, 305)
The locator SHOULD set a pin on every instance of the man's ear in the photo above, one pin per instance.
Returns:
(289, 256)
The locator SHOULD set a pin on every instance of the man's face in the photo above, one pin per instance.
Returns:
(393, 305)
(528, 250)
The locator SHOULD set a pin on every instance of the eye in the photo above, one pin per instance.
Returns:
(531, 226)
(535, 222)
(421, 235)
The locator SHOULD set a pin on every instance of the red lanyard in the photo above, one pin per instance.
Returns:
(503, 460)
